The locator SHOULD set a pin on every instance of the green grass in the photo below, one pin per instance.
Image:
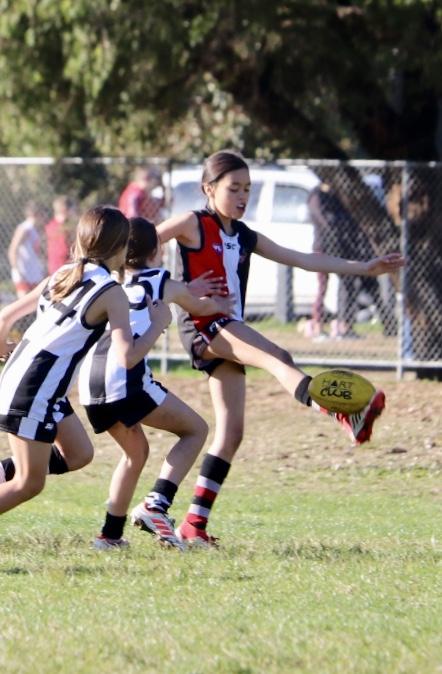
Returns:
(319, 572)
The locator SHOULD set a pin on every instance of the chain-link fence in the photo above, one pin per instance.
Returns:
(355, 210)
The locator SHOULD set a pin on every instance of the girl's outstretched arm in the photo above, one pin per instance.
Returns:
(327, 263)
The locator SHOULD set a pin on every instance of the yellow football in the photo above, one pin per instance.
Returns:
(341, 391)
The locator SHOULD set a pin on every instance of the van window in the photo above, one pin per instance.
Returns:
(290, 204)
(252, 205)
(187, 196)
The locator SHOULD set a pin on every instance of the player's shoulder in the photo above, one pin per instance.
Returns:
(184, 218)
(183, 227)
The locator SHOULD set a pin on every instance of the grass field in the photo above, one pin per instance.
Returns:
(330, 559)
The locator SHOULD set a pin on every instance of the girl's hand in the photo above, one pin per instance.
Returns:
(203, 285)
(160, 314)
(6, 348)
(226, 304)
(384, 265)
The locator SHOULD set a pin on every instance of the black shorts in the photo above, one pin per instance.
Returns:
(128, 411)
(196, 342)
(33, 429)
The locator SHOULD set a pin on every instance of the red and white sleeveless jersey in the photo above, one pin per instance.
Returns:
(227, 256)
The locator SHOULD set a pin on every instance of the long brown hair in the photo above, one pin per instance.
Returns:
(101, 232)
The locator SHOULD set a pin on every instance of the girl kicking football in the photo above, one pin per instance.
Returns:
(216, 239)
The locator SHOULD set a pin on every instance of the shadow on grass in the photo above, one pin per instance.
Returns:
(15, 571)
(332, 552)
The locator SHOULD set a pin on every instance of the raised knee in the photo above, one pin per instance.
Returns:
(83, 459)
(30, 486)
(197, 428)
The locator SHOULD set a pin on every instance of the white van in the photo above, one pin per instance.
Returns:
(277, 208)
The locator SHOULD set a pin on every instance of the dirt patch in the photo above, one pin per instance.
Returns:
(279, 431)
(409, 433)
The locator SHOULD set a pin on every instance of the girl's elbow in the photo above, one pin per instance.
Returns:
(129, 362)
(126, 359)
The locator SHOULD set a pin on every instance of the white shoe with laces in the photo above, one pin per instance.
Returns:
(156, 523)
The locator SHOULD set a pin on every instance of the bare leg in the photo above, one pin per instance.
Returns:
(175, 416)
(74, 443)
(172, 415)
(31, 463)
(240, 343)
(124, 480)
(227, 386)
(71, 450)
(227, 389)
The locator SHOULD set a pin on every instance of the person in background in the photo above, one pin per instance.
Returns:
(315, 326)
(335, 233)
(59, 233)
(140, 198)
(24, 252)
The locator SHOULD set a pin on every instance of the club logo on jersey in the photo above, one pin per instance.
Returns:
(230, 246)
(217, 247)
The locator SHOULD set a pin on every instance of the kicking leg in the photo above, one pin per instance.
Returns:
(240, 343)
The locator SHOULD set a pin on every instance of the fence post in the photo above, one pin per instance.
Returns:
(284, 294)
(164, 361)
(403, 333)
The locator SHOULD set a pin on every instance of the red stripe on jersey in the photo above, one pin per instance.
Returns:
(208, 256)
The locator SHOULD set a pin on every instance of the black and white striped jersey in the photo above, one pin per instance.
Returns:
(102, 379)
(44, 365)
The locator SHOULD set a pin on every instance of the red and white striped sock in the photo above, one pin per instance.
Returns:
(212, 475)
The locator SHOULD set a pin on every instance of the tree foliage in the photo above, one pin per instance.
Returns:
(183, 77)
